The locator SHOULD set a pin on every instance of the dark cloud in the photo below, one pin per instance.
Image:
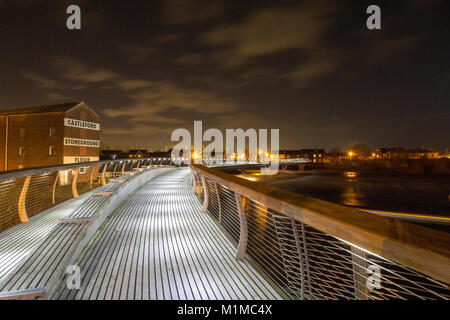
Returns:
(309, 68)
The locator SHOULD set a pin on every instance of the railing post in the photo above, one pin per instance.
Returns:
(103, 174)
(300, 259)
(194, 181)
(218, 202)
(74, 183)
(205, 194)
(359, 264)
(114, 171)
(243, 237)
(91, 178)
(21, 205)
(123, 167)
(54, 188)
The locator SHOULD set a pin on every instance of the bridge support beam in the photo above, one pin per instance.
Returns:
(243, 237)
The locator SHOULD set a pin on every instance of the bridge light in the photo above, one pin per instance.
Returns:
(350, 154)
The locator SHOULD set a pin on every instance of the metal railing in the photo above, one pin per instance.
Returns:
(25, 193)
(312, 249)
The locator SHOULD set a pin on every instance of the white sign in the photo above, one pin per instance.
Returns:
(81, 124)
(79, 159)
(81, 142)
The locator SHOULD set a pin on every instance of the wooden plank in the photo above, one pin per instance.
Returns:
(27, 294)
(75, 220)
(103, 194)
(118, 180)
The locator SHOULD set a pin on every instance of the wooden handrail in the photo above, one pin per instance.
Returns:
(422, 249)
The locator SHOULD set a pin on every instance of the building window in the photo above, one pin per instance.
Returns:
(82, 170)
(52, 132)
(22, 132)
(51, 151)
(21, 151)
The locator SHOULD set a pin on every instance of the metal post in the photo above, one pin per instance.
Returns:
(123, 167)
(21, 205)
(243, 237)
(74, 183)
(205, 195)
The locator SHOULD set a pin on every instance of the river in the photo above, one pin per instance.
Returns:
(374, 190)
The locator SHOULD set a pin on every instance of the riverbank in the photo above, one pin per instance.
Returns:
(394, 166)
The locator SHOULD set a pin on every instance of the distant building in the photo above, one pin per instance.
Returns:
(289, 154)
(405, 153)
(48, 135)
(314, 155)
(137, 153)
(111, 154)
(336, 155)
(160, 154)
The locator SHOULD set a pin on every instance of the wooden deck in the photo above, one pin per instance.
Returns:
(159, 245)
(19, 241)
(30, 253)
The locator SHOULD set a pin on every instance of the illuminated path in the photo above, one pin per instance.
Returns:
(159, 245)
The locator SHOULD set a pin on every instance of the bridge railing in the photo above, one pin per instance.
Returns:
(313, 249)
(27, 192)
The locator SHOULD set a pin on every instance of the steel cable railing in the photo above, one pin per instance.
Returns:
(25, 193)
(311, 253)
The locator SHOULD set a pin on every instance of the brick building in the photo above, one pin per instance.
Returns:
(48, 135)
(406, 153)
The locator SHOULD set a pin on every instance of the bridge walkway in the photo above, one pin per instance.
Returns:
(159, 245)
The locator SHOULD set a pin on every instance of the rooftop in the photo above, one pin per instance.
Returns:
(41, 109)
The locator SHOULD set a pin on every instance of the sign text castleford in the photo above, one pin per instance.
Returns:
(81, 124)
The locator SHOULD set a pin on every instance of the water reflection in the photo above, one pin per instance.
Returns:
(350, 196)
(377, 191)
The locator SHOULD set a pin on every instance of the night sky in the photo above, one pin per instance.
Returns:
(311, 69)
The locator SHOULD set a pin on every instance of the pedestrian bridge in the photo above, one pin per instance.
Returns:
(145, 229)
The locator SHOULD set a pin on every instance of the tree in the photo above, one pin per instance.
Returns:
(361, 150)
(104, 145)
(335, 150)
